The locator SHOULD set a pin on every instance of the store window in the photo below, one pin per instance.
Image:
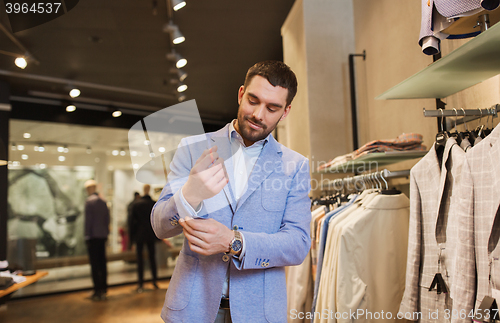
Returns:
(48, 165)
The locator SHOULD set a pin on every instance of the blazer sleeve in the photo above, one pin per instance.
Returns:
(463, 290)
(290, 245)
(169, 208)
(410, 302)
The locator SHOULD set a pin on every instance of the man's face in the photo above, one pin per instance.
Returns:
(262, 107)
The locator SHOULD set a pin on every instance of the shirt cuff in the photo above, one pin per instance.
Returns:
(243, 250)
(194, 213)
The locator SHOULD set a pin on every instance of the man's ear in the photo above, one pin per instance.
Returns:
(241, 91)
(287, 111)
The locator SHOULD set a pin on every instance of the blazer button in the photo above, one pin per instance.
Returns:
(263, 264)
(174, 222)
(267, 264)
(235, 227)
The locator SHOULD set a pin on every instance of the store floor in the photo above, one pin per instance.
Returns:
(124, 305)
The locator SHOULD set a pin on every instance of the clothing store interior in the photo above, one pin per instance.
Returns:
(396, 110)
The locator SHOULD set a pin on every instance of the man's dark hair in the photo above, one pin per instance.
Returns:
(278, 74)
(136, 194)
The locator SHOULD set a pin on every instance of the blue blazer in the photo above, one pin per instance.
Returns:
(274, 216)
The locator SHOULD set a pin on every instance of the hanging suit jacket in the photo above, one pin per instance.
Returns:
(372, 260)
(479, 227)
(433, 231)
(273, 214)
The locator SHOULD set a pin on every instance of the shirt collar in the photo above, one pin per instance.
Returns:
(234, 135)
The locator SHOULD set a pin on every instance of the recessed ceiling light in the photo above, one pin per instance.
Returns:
(133, 153)
(136, 166)
(117, 113)
(122, 153)
(24, 156)
(115, 152)
(60, 149)
(70, 108)
(161, 149)
(41, 148)
(89, 150)
(42, 166)
(20, 147)
(21, 62)
(16, 163)
(61, 158)
(74, 93)
(26, 135)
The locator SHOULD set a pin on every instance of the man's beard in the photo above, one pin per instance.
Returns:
(251, 134)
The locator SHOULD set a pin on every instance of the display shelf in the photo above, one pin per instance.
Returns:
(371, 162)
(471, 63)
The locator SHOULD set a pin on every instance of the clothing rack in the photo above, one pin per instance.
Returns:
(467, 114)
(370, 178)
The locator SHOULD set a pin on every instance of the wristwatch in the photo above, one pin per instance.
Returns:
(236, 244)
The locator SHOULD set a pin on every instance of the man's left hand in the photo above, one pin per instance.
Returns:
(206, 236)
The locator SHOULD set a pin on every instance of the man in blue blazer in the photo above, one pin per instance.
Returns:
(241, 199)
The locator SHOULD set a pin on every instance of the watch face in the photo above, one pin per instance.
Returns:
(236, 245)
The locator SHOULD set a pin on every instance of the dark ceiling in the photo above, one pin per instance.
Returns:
(120, 44)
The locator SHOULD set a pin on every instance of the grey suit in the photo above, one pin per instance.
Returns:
(432, 235)
(478, 235)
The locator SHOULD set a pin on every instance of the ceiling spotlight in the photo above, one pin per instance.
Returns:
(42, 166)
(41, 148)
(16, 163)
(182, 87)
(115, 152)
(180, 61)
(61, 158)
(70, 108)
(26, 135)
(147, 142)
(60, 149)
(66, 149)
(133, 153)
(117, 113)
(178, 4)
(20, 147)
(122, 152)
(135, 166)
(175, 33)
(21, 62)
(24, 156)
(35, 148)
(89, 150)
(180, 73)
(74, 93)
(161, 149)
(13, 147)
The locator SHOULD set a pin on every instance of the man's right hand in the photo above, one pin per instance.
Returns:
(206, 179)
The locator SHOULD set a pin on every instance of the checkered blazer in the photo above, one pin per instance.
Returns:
(478, 236)
(433, 231)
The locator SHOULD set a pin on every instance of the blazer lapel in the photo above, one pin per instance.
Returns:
(221, 140)
(434, 177)
(494, 163)
(440, 230)
(265, 165)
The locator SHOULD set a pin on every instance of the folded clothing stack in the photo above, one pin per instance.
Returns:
(404, 142)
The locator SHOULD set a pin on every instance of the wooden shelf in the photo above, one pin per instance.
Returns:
(471, 63)
(372, 162)
(29, 280)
